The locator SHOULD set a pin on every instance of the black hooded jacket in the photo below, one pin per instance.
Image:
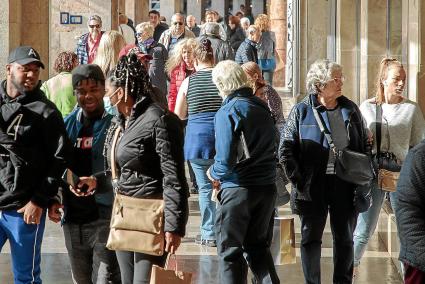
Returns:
(34, 147)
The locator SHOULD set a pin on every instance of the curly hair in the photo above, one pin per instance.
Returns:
(263, 22)
(65, 62)
(320, 73)
(131, 75)
(176, 56)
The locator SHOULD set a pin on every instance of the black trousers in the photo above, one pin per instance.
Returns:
(136, 267)
(338, 202)
(244, 225)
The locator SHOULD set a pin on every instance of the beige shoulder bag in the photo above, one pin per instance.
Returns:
(137, 224)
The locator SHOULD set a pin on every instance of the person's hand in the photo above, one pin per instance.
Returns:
(32, 213)
(54, 212)
(172, 242)
(85, 187)
(369, 137)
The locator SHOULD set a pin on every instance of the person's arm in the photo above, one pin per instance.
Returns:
(169, 140)
(289, 148)
(225, 144)
(181, 103)
(409, 201)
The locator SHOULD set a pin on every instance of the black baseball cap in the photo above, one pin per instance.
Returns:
(87, 71)
(24, 55)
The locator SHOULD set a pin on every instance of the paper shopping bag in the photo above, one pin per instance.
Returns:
(283, 243)
(164, 275)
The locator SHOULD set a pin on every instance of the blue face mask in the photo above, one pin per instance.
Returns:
(110, 108)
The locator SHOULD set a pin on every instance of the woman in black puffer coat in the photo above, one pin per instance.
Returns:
(149, 157)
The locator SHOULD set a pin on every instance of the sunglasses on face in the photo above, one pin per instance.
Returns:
(178, 23)
(139, 34)
(94, 26)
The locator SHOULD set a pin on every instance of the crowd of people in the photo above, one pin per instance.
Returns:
(130, 107)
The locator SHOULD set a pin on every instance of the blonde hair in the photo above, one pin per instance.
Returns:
(320, 73)
(176, 56)
(263, 22)
(229, 76)
(252, 68)
(110, 46)
(145, 27)
(386, 64)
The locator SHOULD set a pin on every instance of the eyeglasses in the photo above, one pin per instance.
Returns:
(94, 26)
(139, 34)
(178, 23)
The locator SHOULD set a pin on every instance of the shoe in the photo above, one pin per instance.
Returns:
(210, 243)
(194, 190)
(198, 240)
(355, 272)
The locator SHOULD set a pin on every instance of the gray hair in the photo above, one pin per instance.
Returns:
(145, 27)
(95, 18)
(245, 20)
(212, 29)
(320, 73)
(229, 76)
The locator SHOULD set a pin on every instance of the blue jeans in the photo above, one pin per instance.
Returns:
(206, 205)
(268, 77)
(25, 245)
(366, 223)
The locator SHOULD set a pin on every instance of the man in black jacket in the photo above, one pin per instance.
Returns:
(247, 51)
(33, 150)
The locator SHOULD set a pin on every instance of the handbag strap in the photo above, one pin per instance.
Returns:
(168, 260)
(323, 129)
(113, 153)
(378, 131)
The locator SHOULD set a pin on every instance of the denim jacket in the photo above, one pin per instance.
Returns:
(242, 112)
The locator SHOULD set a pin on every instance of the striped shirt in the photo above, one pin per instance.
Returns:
(202, 94)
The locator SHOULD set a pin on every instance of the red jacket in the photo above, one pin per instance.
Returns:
(177, 76)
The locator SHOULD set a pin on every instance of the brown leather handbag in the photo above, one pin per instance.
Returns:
(137, 224)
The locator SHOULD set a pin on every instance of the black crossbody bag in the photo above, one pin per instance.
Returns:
(350, 166)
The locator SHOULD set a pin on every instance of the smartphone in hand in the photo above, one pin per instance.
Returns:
(70, 178)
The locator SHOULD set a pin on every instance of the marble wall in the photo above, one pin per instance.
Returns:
(4, 36)
(65, 37)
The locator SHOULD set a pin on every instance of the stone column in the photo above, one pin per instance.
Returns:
(347, 46)
(219, 6)
(197, 9)
(373, 36)
(169, 8)
(279, 27)
(5, 33)
(258, 7)
(137, 10)
(413, 44)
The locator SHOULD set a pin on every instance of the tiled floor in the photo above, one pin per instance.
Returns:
(375, 268)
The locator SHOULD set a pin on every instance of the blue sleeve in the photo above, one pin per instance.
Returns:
(225, 145)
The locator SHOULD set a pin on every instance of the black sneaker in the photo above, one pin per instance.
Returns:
(194, 190)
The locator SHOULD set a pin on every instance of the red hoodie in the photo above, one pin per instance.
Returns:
(178, 74)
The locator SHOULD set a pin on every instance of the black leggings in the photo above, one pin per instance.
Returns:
(136, 267)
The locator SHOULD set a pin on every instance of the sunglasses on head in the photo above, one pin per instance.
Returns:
(94, 26)
(178, 23)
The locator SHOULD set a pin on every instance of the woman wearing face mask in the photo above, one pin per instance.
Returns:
(149, 158)
(402, 127)
(198, 101)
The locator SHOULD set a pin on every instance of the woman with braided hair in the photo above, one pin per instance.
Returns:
(149, 158)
